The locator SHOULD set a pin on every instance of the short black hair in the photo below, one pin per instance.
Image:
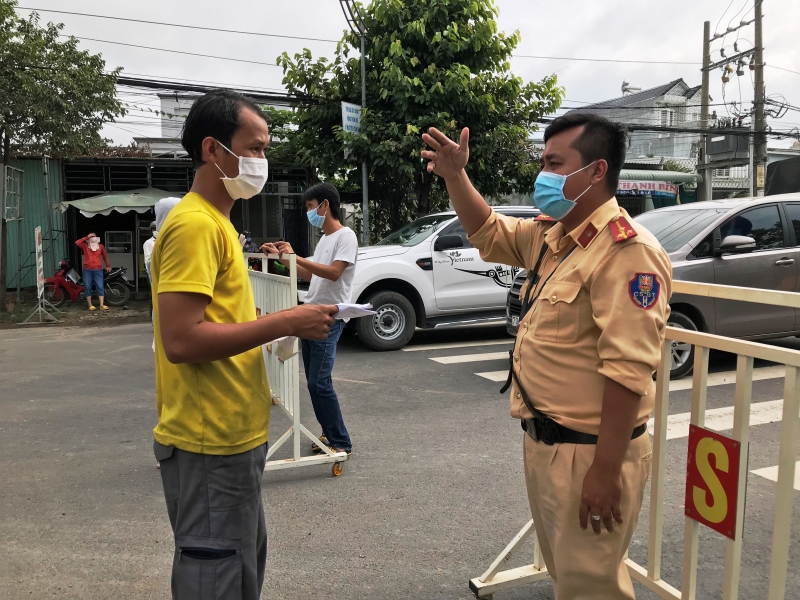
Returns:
(601, 139)
(215, 114)
(324, 191)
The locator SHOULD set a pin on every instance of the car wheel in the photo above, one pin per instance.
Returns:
(682, 353)
(392, 325)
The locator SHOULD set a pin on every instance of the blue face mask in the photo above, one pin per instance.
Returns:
(548, 194)
(315, 219)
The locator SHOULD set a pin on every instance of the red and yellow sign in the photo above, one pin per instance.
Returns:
(712, 480)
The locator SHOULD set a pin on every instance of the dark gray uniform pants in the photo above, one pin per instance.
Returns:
(216, 512)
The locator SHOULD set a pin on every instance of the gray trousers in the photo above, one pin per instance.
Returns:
(217, 515)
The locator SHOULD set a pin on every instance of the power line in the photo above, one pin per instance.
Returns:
(254, 33)
(172, 86)
(274, 35)
(649, 108)
(782, 69)
(608, 60)
(238, 86)
(241, 60)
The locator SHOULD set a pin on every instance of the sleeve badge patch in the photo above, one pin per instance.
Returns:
(644, 289)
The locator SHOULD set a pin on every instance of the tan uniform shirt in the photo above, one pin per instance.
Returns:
(601, 313)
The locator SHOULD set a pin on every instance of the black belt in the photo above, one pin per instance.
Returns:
(544, 429)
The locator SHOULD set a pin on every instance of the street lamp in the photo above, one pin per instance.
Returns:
(352, 13)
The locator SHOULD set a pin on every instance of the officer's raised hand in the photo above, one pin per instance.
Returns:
(447, 159)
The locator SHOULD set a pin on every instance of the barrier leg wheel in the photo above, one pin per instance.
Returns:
(337, 469)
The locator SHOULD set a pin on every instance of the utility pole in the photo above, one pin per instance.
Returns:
(760, 125)
(355, 20)
(704, 191)
(364, 173)
(751, 155)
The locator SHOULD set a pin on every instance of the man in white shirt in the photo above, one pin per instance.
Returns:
(148, 248)
(161, 209)
(330, 272)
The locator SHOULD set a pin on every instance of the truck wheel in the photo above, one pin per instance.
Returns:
(392, 325)
(682, 354)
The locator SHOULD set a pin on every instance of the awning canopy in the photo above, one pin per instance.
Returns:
(669, 176)
(140, 200)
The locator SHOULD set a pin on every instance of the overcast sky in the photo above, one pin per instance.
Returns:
(607, 29)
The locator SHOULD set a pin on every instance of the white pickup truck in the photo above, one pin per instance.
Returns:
(428, 275)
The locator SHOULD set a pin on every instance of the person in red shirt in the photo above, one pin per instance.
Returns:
(94, 254)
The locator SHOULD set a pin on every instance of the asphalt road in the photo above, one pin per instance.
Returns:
(431, 495)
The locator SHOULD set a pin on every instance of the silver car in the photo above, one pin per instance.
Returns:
(746, 242)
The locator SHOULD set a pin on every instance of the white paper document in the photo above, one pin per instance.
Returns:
(352, 311)
(282, 348)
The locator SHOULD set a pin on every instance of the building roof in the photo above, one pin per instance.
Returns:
(692, 91)
(638, 97)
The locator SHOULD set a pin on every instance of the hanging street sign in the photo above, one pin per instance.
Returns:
(351, 117)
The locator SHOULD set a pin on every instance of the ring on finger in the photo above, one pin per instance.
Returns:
(595, 517)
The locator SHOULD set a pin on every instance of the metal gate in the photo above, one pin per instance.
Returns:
(273, 293)
(495, 579)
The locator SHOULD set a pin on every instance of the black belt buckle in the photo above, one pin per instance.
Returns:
(549, 432)
(530, 429)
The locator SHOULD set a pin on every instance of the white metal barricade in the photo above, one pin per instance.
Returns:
(273, 293)
(495, 579)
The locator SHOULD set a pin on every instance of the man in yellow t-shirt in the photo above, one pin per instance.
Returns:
(213, 397)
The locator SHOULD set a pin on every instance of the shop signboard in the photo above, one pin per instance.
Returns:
(39, 262)
(712, 480)
(654, 189)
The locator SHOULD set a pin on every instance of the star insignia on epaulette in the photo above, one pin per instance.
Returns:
(621, 230)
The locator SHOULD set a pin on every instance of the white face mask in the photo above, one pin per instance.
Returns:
(252, 176)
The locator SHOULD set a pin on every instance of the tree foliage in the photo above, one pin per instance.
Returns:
(54, 97)
(439, 63)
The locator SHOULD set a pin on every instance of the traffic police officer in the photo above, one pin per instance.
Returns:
(590, 337)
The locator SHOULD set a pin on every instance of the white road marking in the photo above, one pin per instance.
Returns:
(724, 378)
(457, 345)
(494, 375)
(352, 380)
(728, 377)
(771, 473)
(465, 358)
(720, 419)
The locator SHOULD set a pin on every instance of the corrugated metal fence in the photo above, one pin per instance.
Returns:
(35, 205)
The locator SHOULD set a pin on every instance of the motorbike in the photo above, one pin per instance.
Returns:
(67, 284)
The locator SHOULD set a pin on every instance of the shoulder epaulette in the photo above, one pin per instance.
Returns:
(621, 230)
(544, 218)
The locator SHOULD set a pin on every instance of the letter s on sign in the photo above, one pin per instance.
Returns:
(718, 509)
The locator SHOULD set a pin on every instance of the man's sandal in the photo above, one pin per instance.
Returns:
(316, 449)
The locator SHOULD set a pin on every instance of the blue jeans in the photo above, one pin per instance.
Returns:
(93, 278)
(318, 357)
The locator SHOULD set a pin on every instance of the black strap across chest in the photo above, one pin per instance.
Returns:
(533, 281)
